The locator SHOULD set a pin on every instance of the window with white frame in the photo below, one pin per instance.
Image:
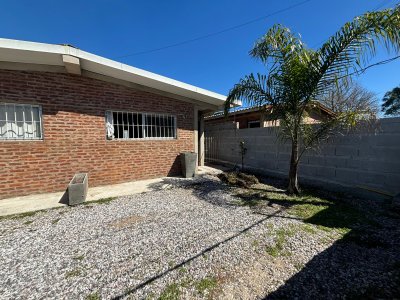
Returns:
(132, 125)
(20, 121)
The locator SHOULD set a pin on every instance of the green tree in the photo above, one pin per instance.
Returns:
(391, 102)
(297, 76)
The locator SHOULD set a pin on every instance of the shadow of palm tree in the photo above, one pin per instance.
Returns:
(204, 187)
(363, 264)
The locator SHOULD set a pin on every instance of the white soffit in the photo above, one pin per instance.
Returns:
(50, 54)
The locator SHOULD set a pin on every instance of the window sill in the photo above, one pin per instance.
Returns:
(21, 140)
(142, 140)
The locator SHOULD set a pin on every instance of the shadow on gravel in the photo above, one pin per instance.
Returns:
(363, 264)
(183, 263)
(202, 187)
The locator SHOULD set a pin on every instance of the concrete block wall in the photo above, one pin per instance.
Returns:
(368, 159)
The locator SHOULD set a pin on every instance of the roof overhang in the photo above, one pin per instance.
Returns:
(65, 58)
(246, 110)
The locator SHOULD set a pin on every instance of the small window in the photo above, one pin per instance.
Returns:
(253, 124)
(131, 125)
(20, 122)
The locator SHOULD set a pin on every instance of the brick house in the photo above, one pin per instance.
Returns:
(253, 117)
(65, 111)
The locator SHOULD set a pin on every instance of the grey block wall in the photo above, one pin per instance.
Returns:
(368, 159)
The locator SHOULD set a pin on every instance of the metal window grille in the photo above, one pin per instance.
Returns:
(132, 125)
(20, 122)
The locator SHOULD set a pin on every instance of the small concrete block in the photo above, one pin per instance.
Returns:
(77, 189)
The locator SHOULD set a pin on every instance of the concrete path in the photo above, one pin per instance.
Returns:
(17, 205)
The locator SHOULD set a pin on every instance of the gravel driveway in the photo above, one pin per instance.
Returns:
(188, 242)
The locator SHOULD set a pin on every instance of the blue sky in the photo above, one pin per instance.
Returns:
(117, 28)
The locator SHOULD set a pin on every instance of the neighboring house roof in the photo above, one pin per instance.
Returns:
(15, 54)
(245, 110)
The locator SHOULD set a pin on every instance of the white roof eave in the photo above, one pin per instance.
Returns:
(40, 53)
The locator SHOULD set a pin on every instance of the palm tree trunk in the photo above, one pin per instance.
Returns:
(293, 187)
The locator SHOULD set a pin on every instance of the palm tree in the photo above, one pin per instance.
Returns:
(297, 76)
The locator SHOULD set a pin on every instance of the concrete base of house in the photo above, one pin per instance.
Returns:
(18, 205)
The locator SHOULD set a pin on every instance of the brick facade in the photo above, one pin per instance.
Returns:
(74, 134)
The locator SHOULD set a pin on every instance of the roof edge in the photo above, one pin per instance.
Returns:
(105, 66)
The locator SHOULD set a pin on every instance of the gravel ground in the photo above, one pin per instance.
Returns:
(191, 241)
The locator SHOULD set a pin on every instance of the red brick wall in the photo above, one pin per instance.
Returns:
(74, 134)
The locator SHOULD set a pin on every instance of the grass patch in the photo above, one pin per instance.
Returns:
(273, 251)
(73, 273)
(55, 221)
(182, 270)
(25, 215)
(171, 292)
(327, 214)
(249, 198)
(28, 214)
(150, 296)
(79, 257)
(281, 237)
(308, 228)
(255, 243)
(171, 263)
(93, 296)
(206, 284)
(19, 216)
(187, 282)
(100, 201)
(269, 225)
(298, 266)
(28, 222)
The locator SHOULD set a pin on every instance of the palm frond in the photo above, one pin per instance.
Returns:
(253, 90)
(278, 45)
(354, 45)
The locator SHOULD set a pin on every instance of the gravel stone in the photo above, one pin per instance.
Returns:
(136, 246)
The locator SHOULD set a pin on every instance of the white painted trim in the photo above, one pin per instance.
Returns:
(50, 54)
(72, 64)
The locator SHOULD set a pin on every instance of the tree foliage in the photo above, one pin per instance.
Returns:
(391, 102)
(297, 76)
